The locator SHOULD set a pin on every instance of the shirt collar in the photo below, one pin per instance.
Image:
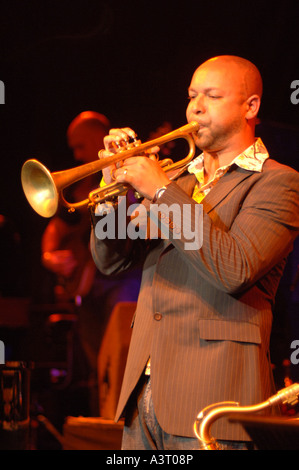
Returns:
(251, 159)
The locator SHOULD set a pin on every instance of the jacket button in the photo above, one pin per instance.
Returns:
(157, 316)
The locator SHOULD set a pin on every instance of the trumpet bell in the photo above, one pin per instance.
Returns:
(39, 188)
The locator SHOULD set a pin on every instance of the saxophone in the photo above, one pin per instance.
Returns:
(202, 425)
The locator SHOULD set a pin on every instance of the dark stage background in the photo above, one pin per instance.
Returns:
(132, 61)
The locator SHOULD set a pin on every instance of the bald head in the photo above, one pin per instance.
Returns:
(246, 72)
(89, 119)
(225, 96)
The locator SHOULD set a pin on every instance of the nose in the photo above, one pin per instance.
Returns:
(197, 104)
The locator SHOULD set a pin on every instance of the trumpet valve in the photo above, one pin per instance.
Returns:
(126, 144)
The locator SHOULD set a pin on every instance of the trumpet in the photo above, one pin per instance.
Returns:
(44, 190)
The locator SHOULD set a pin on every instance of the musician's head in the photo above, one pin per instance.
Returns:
(225, 96)
(85, 135)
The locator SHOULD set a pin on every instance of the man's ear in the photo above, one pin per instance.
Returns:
(253, 105)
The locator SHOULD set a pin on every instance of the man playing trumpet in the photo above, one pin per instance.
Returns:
(202, 326)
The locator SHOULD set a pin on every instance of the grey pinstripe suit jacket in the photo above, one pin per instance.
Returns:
(210, 342)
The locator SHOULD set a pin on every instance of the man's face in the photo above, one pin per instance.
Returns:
(218, 104)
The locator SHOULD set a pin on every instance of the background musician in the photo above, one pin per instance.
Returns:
(66, 253)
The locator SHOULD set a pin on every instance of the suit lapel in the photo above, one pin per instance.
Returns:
(223, 187)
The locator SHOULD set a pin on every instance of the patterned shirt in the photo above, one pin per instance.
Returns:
(251, 159)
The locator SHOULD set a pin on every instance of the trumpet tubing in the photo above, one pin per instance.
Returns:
(44, 190)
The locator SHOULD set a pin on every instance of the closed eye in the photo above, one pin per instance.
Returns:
(214, 97)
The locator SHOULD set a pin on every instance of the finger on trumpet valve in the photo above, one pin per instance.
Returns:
(125, 143)
(117, 146)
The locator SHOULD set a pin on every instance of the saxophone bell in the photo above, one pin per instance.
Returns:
(206, 418)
